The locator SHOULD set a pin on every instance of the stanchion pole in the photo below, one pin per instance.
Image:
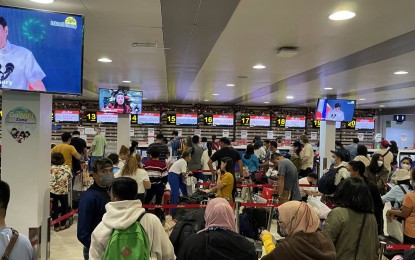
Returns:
(271, 213)
(237, 207)
(382, 249)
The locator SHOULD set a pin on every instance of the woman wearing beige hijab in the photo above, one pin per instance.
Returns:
(299, 224)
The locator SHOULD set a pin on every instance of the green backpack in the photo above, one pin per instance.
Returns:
(131, 243)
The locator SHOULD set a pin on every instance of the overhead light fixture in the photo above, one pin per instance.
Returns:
(105, 60)
(342, 15)
(206, 100)
(43, 1)
(126, 81)
(400, 72)
(328, 88)
(289, 97)
(230, 85)
(144, 98)
(259, 67)
(381, 105)
(215, 94)
(266, 102)
(362, 99)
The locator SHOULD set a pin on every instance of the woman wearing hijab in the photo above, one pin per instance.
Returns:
(218, 240)
(299, 224)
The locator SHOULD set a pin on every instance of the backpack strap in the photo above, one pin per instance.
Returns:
(385, 153)
(404, 191)
(360, 236)
(141, 216)
(10, 246)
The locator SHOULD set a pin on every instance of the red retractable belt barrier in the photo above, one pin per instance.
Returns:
(397, 247)
(254, 185)
(68, 215)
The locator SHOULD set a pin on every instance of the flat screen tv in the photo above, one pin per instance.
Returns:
(295, 122)
(66, 116)
(107, 118)
(365, 123)
(43, 51)
(186, 119)
(263, 121)
(148, 119)
(222, 120)
(120, 101)
(339, 110)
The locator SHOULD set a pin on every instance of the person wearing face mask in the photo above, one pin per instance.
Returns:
(386, 154)
(92, 203)
(352, 225)
(405, 165)
(403, 185)
(377, 173)
(299, 224)
(122, 212)
(408, 213)
(357, 169)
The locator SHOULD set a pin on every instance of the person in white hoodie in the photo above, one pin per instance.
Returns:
(121, 213)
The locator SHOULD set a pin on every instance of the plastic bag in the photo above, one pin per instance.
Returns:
(395, 229)
(319, 207)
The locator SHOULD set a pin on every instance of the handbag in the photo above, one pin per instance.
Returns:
(395, 229)
(10, 246)
(360, 236)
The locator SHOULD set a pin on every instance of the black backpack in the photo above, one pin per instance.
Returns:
(251, 221)
(190, 224)
(326, 182)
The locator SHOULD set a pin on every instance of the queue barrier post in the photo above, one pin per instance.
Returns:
(237, 207)
(382, 249)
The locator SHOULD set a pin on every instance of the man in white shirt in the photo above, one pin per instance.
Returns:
(19, 69)
(176, 173)
(22, 249)
(336, 114)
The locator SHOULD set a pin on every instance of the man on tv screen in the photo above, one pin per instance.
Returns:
(336, 114)
(18, 67)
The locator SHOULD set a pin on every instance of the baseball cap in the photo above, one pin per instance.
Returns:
(384, 143)
(339, 154)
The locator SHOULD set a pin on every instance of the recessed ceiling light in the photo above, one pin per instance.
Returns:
(206, 100)
(381, 105)
(126, 81)
(230, 85)
(342, 15)
(362, 99)
(144, 98)
(215, 94)
(289, 97)
(401, 72)
(43, 1)
(266, 102)
(105, 60)
(328, 88)
(259, 67)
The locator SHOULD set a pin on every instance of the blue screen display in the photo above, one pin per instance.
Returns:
(339, 110)
(41, 51)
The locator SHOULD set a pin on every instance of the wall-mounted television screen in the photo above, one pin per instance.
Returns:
(295, 122)
(365, 123)
(148, 119)
(66, 116)
(186, 119)
(335, 109)
(222, 120)
(120, 101)
(43, 51)
(264, 121)
(107, 118)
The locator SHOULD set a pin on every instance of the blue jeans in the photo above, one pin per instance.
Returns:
(176, 184)
(92, 162)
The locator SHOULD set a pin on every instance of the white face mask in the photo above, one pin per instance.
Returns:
(332, 160)
(380, 163)
(406, 166)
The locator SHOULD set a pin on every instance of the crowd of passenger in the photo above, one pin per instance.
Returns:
(355, 184)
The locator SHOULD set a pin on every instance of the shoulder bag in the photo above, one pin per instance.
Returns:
(360, 236)
(10, 246)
